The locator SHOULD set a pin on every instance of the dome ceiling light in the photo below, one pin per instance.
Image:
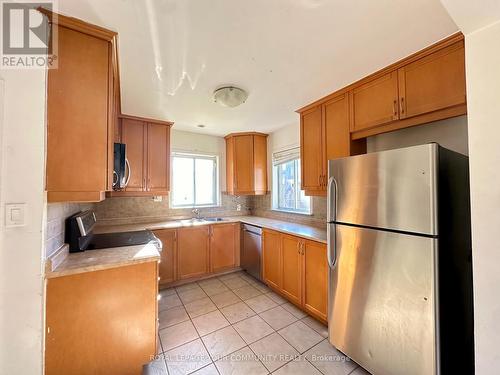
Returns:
(230, 96)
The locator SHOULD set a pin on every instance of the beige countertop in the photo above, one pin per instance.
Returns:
(300, 230)
(95, 260)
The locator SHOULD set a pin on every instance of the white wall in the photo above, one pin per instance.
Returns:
(22, 180)
(202, 143)
(450, 133)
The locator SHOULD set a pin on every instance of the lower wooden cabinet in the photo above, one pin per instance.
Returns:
(224, 248)
(168, 238)
(297, 269)
(193, 252)
(102, 322)
(291, 261)
(271, 258)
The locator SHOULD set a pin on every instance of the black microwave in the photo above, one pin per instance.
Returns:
(121, 167)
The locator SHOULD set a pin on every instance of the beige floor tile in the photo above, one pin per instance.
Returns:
(185, 287)
(319, 327)
(276, 298)
(177, 335)
(156, 367)
(247, 292)
(260, 303)
(191, 295)
(278, 317)
(172, 316)
(223, 342)
(329, 360)
(253, 329)
(187, 358)
(167, 292)
(200, 307)
(242, 362)
(360, 371)
(211, 281)
(210, 322)
(300, 336)
(213, 289)
(298, 367)
(207, 370)
(225, 299)
(261, 287)
(236, 312)
(235, 283)
(273, 351)
(228, 276)
(167, 302)
(159, 348)
(295, 311)
(247, 277)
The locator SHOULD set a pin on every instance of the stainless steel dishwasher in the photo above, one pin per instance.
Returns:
(251, 249)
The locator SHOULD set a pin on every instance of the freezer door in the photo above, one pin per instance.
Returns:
(382, 300)
(394, 189)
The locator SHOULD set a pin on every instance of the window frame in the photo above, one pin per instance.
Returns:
(275, 190)
(216, 188)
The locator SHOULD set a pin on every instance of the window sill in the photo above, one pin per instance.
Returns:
(195, 207)
(292, 212)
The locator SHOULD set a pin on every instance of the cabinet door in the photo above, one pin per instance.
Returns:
(315, 279)
(223, 246)
(311, 158)
(168, 238)
(291, 260)
(375, 103)
(271, 258)
(230, 177)
(158, 172)
(192, 252)
(77, 115)
(434, 82)
(260, 164)
(134, 136)
(243, 164)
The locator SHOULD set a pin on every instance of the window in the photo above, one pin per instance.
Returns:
(194, 181)
(287, 195)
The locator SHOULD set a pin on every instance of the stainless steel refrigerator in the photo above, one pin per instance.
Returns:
(399, 250)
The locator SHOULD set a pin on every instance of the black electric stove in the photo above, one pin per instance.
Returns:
(80, 236)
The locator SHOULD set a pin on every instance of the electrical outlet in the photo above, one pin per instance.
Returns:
(157, 198)
(238, 207)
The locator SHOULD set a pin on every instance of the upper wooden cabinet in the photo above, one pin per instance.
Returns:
(246, 163)
(424, 87)
(324, 135)
(81, 112)
(148, 154)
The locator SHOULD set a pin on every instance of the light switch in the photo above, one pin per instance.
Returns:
(15, 214)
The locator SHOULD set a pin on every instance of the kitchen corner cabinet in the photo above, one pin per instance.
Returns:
(298, 270)
(81, 112)
(224, 249)
(102, 322)
(246, 163)
(325, 135)
(148, 155)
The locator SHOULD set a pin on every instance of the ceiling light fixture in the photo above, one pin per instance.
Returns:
(230, 96)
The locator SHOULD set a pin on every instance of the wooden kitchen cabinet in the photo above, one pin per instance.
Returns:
(224, 246)
(193, 252)
(81, 112)
(291, 264)
(271, 258)
(246, 163)
(375, 103)
(102, 322)
(168, 260)
(325, 135)
(298, 270)
(148, 154)
(315, 278)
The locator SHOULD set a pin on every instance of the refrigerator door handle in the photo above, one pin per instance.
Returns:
(331, 209)
(331, 245)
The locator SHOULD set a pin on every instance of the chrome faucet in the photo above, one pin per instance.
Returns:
(196, 212)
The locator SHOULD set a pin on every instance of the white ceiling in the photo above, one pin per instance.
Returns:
(285, 53)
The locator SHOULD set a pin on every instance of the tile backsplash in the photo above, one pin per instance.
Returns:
(261, 206)
(56, 216)
(136, 209)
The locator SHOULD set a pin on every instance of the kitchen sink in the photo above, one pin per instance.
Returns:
(214, 219)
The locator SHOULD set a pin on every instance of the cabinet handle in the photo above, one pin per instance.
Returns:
(320, 180)
(298, 247)
(303, 247)
(402, 105)
(395, 108)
